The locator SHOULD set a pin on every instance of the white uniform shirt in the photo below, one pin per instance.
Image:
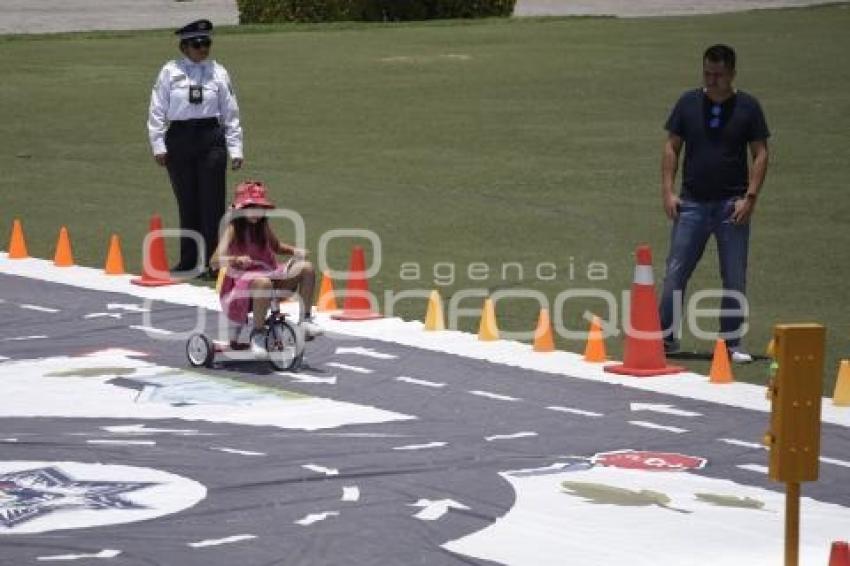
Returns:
(170, 102)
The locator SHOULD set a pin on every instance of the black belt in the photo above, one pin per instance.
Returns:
(196, 123)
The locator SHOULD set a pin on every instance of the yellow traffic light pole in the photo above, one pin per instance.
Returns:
(795, 391)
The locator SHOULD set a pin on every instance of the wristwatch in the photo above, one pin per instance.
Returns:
(750, 197)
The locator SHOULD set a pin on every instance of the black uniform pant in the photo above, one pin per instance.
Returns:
(197, 164)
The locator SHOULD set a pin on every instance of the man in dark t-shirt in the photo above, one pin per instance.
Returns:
(716, 125)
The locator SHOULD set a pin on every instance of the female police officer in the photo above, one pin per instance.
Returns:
(193, 123)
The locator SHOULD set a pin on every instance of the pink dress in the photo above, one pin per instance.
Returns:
(235, 289)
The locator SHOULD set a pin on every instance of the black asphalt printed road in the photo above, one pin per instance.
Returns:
(265, 496)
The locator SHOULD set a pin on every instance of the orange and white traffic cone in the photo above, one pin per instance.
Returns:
(643, 354)
(17, 242)
(543, 339)
(155, 271)
(358, 303)
(64, 257)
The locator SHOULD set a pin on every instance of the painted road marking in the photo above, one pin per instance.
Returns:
(835, 462)
(744, 443)
(9, 440)
(235, 451)
(351, 493)
(422, 382)
(126, 307)
(433, 510)
(509, 436)
(220, 541)
(116, 315)
(142, 429)
(355, 369)
(315, 518)
(38, 308)
(22, 338)
(575, 411)
(754, 468)
(151, 329)
(300, 378)
(664, 409)
(368, 352)
(3, 358)
(496, 396)
(106, 553)
(654, 426)
(124, 442)
(321, 469)
(420, 446)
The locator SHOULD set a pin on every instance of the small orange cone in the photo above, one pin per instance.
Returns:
(594, 351)
(841, 396)
(721, 371)
(64, 256)
(839, 555)
(434, 320)
(487, 329)
(114, 258)
(327, 298)
(17, 243)
(770, 351)
(543, 340)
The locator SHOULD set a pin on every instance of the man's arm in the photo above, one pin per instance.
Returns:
(744, 207)
(669, 166)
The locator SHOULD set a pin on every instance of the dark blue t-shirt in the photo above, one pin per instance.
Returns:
(716, 138)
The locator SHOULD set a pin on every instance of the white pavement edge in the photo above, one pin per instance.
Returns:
(412, 333)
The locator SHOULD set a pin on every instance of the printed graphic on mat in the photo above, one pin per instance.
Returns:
(39, 497)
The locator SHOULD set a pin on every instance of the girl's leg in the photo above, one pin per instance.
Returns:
(303, 279)
(261, 288)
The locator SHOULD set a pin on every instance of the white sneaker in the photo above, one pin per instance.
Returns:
(740, 356)
(258, 343)
(311, 329)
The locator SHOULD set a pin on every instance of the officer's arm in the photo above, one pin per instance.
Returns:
(158, 112)
(229, 109)
(758, 171)
(669, 165)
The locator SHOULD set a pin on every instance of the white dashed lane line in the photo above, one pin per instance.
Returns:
(38, 308)
(758, 468)
(421, 446)
(124, 442)
(835, 462)
(824, 459)
(151, 329)
(235, 451)
(220, 541)
(645, 424)
(321, 469)
(351, 493)
(421, 382)
(315, 518)
(572, 411)
(367, 352)
(355, 369)
(23, 338)
(496, 396)
(510, 436)
(106, 553)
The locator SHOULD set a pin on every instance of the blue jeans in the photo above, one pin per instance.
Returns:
(697, 221)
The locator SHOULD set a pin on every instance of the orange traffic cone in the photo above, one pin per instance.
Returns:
(839, 555)
(434, 320)
(154, 261)
(358, 303)
(594, 351)
(543, 340)
(841, 395)
(64, 257)
(488, 330)
(17, 243)
(721, 371)
(114, 258)
(643, 354)
(327, 299)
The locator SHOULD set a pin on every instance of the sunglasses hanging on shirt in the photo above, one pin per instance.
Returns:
(714, 120)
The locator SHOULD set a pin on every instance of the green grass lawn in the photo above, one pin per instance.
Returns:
(530, 141)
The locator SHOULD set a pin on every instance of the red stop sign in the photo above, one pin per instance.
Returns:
(653, 461)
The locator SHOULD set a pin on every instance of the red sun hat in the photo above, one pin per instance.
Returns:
(251, 193)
